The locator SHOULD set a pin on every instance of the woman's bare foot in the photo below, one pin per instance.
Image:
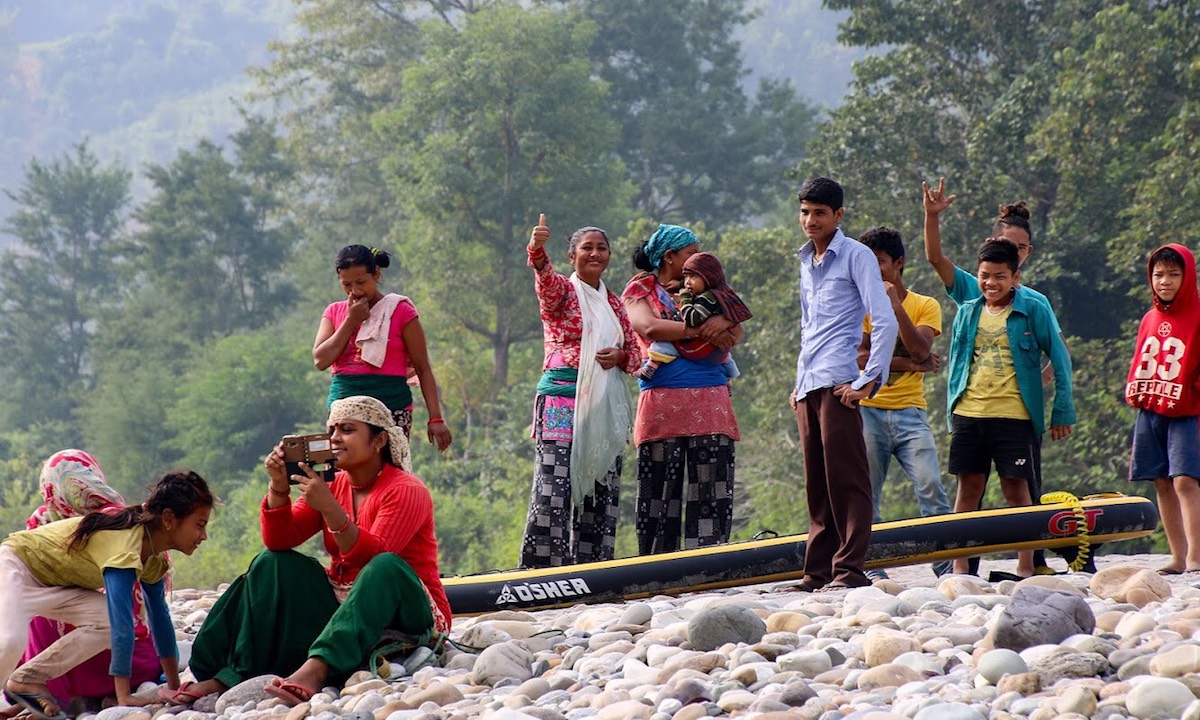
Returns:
(312, 675)
(206, 687)
(300, 686)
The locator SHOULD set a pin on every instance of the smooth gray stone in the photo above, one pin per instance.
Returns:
(711, 628)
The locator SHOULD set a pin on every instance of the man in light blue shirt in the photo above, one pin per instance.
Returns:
(839, 285)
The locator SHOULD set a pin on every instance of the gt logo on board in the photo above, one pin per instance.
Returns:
(1065, 523)
(565, 588)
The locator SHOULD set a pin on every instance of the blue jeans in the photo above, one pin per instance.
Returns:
(906, 435)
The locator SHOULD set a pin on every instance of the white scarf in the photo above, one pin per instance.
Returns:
(602, 407)
(372, 339)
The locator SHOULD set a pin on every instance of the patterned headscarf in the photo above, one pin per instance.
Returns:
(373, 412)
(665, 239)
(708, 267)
(72, 484)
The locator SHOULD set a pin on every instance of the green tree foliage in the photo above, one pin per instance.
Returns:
(241, 395)
(212, 242)
(762, 266)
(492, 135)
(696, 146)
(140, 360)
(327, 83)
(1119, 134)
(22, 453)
(54, 284)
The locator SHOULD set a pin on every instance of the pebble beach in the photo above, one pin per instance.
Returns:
(1122, 643)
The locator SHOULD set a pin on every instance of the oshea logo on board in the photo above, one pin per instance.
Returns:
(565, 588)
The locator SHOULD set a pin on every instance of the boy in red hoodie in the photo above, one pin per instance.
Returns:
(1164, 386)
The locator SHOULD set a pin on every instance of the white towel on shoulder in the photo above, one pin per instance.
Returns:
(372, 337)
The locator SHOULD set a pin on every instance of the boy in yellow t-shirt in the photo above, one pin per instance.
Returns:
(895, 423)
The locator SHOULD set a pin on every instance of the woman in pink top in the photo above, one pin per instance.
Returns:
(371, 340)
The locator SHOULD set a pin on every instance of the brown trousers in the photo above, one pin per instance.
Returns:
(838, 484)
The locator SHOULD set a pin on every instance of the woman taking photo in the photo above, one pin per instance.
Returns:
(582, 412)
(56, 569)
(685, 428)
(371, 339)
(289, 616)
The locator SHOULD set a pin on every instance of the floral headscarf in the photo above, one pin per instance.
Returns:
(373, 412)
(72, 484)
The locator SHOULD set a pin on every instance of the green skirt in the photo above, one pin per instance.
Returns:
(283, 611)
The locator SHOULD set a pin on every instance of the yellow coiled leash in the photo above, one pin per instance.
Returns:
(1081, 526)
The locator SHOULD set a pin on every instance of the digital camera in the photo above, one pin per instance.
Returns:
(312, 450)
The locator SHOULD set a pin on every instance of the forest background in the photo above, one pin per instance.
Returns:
(178, 176)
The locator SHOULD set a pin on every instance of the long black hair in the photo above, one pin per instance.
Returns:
(182, 492)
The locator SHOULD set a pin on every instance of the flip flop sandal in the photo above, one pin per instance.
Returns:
(36, 703)
(1169, 571)
(292, 694)
(182, 696)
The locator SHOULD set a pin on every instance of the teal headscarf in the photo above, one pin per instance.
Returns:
(665, 239)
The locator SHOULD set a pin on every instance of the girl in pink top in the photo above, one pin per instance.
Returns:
(374, 342)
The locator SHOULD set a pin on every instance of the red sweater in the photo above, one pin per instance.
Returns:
(396, 516)
(1165, 375)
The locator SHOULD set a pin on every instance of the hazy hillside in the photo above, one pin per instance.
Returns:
(797, 40)
(144, 79)
(141, 79)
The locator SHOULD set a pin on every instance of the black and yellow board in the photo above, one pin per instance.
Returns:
(1109, 518)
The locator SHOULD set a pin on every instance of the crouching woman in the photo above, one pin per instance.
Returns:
(287, 615)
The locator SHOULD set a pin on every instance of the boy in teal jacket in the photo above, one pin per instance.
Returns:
(995, 402)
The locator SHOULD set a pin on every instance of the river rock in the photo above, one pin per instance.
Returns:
(1129, 583)
(1057, 666)
(949, 711)
(498, 662)
(882, 645)
(246, 691)
(1176, 662)
(636, 614)
(809, 663)
(711, 628)
(1038, 616)
(121, 712)
(995, 664)
(1026, 683)
(1077, 699)
(887, 675)
(1158, 698)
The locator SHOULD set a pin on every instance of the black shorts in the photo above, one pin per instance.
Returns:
(979, 442)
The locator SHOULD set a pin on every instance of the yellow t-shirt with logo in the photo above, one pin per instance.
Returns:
(907, 389)
(44, 550)
(992, 390)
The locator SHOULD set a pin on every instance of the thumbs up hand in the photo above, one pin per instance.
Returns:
(540, 234)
